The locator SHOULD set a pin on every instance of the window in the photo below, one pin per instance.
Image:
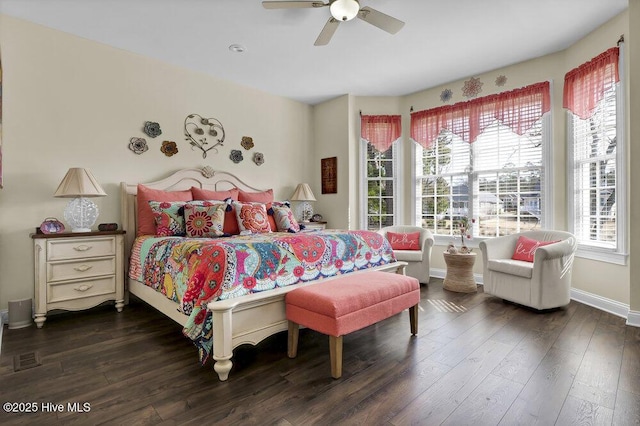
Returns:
(380, 152)
(380, 186)
(596, 161)
(500, 179)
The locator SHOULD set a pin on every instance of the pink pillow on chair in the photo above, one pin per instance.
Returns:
(526, 248)
(404, 241)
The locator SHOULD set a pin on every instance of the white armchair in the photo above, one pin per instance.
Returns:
(418, 260)
(543, 284)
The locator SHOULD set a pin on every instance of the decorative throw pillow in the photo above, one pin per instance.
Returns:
(285, 222)
(169, 218)
(252, 217)
(230, 221)
(526, 247)
(404, 241)
(265, 197)
(204, 219)
(146, 218)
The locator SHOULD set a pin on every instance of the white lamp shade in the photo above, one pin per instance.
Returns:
(303, 193)
(79, 182)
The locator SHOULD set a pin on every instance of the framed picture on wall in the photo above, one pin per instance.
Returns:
(329, 175)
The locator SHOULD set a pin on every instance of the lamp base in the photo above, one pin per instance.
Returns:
(305, 211)
(81, 213)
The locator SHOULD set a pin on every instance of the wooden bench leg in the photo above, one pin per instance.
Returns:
(292, 344)
(335, 353)
(413, 319)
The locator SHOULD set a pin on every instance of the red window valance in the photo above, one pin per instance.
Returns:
(585, 85)
(381, 131)
(518, 109)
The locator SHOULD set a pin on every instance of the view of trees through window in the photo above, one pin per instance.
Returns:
(496, 180)
(380, 187)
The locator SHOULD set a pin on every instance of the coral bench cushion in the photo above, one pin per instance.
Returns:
(352, 302)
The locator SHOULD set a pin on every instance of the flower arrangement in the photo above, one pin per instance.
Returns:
(465, 229)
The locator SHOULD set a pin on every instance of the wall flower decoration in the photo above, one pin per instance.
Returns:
(247, 142)
(152, 129)
(446, 95)
(138, 145)
(169, 148)
(258, 158)
(236, 156)
(472, 87)
(501, 80)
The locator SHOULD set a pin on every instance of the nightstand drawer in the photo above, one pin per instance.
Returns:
(80, 248)
(79, 269)
(57, 292)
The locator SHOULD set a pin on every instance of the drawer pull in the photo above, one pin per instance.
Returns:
(83, 287)
(82, 247)
(82, 268)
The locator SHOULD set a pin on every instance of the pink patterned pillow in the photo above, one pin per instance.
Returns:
(204, 219)
(285, 222)
(252, 217)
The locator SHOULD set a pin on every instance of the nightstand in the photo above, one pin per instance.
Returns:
(314, 225)
(75, 271)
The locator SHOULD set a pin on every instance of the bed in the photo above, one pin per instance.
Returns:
(245, 318)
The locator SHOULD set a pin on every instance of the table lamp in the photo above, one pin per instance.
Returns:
(303, 193)
(81, 213)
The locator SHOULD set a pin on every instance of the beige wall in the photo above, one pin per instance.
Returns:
(634, 152)
(70, 102)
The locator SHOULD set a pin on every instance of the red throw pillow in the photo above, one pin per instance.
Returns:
(230, 221)
(526, 247)
(404, 241)
(146, 219)
(264, 197)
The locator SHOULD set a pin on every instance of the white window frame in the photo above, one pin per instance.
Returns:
(547, 219)
(397, 179)
(619, 254)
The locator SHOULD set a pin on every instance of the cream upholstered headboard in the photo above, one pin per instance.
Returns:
(205, 178)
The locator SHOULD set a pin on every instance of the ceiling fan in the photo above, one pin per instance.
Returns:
(341, 10)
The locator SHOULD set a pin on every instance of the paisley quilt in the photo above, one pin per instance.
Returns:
(196, 271)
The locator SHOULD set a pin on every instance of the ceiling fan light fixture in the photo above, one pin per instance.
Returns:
(344, 10)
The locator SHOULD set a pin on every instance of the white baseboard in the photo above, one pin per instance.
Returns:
(612, 306)
(633, 318)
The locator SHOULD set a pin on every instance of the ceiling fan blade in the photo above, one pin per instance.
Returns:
(327, 32)
(292, 4)
(380, 20)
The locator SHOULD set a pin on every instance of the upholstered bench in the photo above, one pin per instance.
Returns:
(349, 303)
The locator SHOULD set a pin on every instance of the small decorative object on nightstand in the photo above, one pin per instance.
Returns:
(77, 271)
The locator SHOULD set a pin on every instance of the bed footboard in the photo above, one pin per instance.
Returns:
(252, 318)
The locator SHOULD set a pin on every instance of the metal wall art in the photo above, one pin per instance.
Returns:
(152, 129)
(138, 145)
(247, 142)
(501, 80)
(236, 156)
(197, 129)
(258, 158)
(169, 148)
(472, 87)
(446, 95)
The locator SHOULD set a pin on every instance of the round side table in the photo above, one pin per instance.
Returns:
(460, 272)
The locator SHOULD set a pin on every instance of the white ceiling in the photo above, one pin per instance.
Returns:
(442, 40)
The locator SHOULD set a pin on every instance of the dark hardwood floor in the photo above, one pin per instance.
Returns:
(476, 360)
